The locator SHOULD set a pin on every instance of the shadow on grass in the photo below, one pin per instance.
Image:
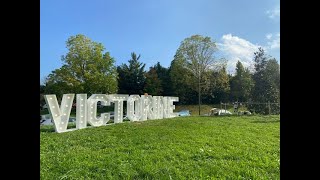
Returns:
(50, 128)
(47, 130)
(267, 121)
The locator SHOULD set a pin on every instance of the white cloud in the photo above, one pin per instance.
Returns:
(274, 43)
(269, 36)
(235, 48)
(274, 13)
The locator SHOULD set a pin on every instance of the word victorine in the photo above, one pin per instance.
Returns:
(139, 108)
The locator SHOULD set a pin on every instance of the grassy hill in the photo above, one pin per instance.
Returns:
(234, 147)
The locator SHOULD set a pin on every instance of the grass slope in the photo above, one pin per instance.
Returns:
(235, 147)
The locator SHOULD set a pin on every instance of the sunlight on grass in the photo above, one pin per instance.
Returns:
(235, 147)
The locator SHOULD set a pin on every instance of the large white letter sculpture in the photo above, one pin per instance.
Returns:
(60, 115)
(139, 108)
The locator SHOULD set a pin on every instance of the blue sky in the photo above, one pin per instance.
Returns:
(156, 28)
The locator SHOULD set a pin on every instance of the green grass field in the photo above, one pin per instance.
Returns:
(234, 147)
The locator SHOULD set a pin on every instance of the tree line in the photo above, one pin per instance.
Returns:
(194, 75)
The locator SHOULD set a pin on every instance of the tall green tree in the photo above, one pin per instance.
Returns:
(153, 85)
(179, 77)
(197, 55)
(267, 81)
(273, 79)
(220, 86)
(86, 69)
(132, 77)
(241, 84)
(164, 77)
(261, 85)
